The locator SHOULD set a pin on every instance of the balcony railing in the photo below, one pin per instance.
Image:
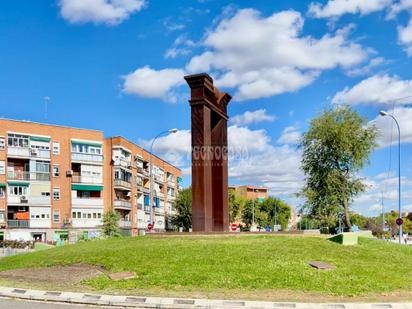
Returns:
(87, 179)
(125, 223)
(86, 157)
(158, 178)
(18, 151)
(147, 208)
(87, 201)
(40, 153)
(28, 176)
(159, 194)
(123, 162)
(122, 204)
(170, 183)
(159, 210)
(18, 223)
(122, 183)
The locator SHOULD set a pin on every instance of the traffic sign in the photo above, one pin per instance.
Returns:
(150, 226)
(233, 226)
(399, 221)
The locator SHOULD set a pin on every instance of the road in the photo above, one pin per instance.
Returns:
(19, 304)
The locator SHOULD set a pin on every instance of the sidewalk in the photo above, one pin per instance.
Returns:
(162, 302)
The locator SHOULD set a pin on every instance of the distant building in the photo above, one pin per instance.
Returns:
(251, 192)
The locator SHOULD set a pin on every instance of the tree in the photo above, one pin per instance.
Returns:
(278, 211)
(337, 145)
(183, 207)
(111, 224)
(236, 204)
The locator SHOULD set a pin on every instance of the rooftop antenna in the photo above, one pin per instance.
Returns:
(46, 101)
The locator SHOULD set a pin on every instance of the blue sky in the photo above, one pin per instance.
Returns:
(117, 66)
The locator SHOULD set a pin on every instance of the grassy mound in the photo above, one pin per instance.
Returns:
(258, 262)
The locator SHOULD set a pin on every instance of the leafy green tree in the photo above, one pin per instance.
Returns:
(236, 204)
(261, 217)
(337, 145)
(183, 207)
(111, 224)
(278, 212)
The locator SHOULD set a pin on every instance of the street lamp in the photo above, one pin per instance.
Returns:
(253, 227)
(383, 113)
(150, 168)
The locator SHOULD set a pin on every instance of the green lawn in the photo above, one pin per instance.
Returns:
(252, 263)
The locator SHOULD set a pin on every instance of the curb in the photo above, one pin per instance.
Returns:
(164, 302)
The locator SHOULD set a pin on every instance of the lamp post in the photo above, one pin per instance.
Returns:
(150, 173)
(383, 113)
(253, 227)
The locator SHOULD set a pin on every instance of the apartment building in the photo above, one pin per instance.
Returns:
(57, 182)
(128, 177)
(250, 192)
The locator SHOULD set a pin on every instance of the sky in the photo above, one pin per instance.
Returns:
(118, 66)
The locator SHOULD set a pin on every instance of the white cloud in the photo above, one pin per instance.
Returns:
(336, 8)
(150, 83)
(110, 12)
(377, 90)
(388, 131)
(366, 69)
(400, 6)
(265, 56)
(290, 135)
(405, 37)
(182, 46)
(250, 117)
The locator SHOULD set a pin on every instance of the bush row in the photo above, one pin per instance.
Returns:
(16, 244)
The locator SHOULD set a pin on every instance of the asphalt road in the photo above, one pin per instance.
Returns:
(19, 304)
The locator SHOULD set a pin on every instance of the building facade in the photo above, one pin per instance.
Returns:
(57, 182)
(251, 192)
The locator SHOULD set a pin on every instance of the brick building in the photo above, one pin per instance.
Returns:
(58, 181)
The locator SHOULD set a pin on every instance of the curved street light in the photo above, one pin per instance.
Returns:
(384, 113)
(171, 131)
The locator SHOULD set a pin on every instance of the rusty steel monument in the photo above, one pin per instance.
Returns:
(209, 155)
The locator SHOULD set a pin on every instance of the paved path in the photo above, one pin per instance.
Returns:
(23, 299)
(20, 304)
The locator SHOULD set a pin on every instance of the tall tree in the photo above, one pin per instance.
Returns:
(183, 208)
(236, 204)
(337, 145)
(277, 210)
(111, 223)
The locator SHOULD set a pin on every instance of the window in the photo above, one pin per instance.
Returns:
(17, 190)
(99, 215)
(84, 194)
(17, 140)
(2, 167)
(2, 143)
(56, 193)
(56, 148)
(1, 216)
(56, 216)
(2, 192)
(45, 194)
(56, 171)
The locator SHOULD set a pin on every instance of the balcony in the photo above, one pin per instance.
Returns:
(159, 210)
(87, 157)
(158, 178)
(159, 195)
(85, 202)
(170, 183)
(122, 184)
(123, 162)
(17, 200)
(18, 152)
(122, 204)
(39, 153)
(171, 197)
(87, 179)
(140, 206)
(125, 223)
(18, 223)
(145, 190)
(147, 208)
(40, 200)
(28, 176)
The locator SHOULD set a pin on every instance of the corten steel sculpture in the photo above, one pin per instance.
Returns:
(209, 155)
